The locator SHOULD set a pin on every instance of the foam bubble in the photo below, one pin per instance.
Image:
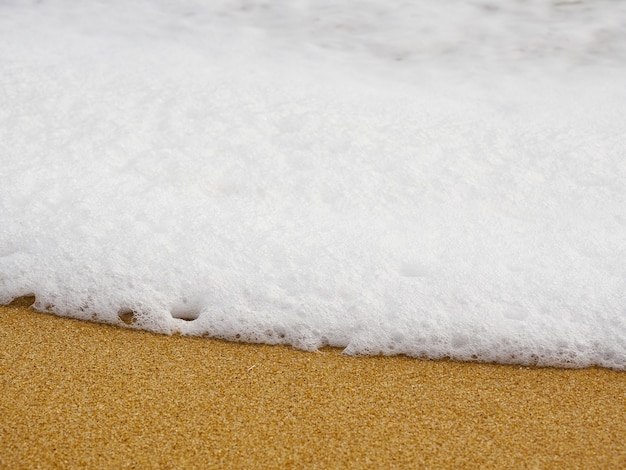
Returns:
(258, 175)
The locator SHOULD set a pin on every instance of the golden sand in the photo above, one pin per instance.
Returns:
(76, 394)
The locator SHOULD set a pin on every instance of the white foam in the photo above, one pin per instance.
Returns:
(383, 177)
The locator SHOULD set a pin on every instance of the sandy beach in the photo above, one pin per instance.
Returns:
(83, 395)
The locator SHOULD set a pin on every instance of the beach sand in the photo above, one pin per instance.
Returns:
(77, 394)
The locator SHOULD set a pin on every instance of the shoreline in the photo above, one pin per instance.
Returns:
(80, 394)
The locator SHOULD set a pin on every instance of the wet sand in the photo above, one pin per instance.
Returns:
(77, 394)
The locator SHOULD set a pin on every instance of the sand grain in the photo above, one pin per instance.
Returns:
(76, 394)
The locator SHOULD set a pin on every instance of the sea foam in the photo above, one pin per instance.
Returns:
(384, 177)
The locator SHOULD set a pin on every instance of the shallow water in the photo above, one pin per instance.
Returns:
(386, 177)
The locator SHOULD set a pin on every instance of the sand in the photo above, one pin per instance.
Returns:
(77, 394)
